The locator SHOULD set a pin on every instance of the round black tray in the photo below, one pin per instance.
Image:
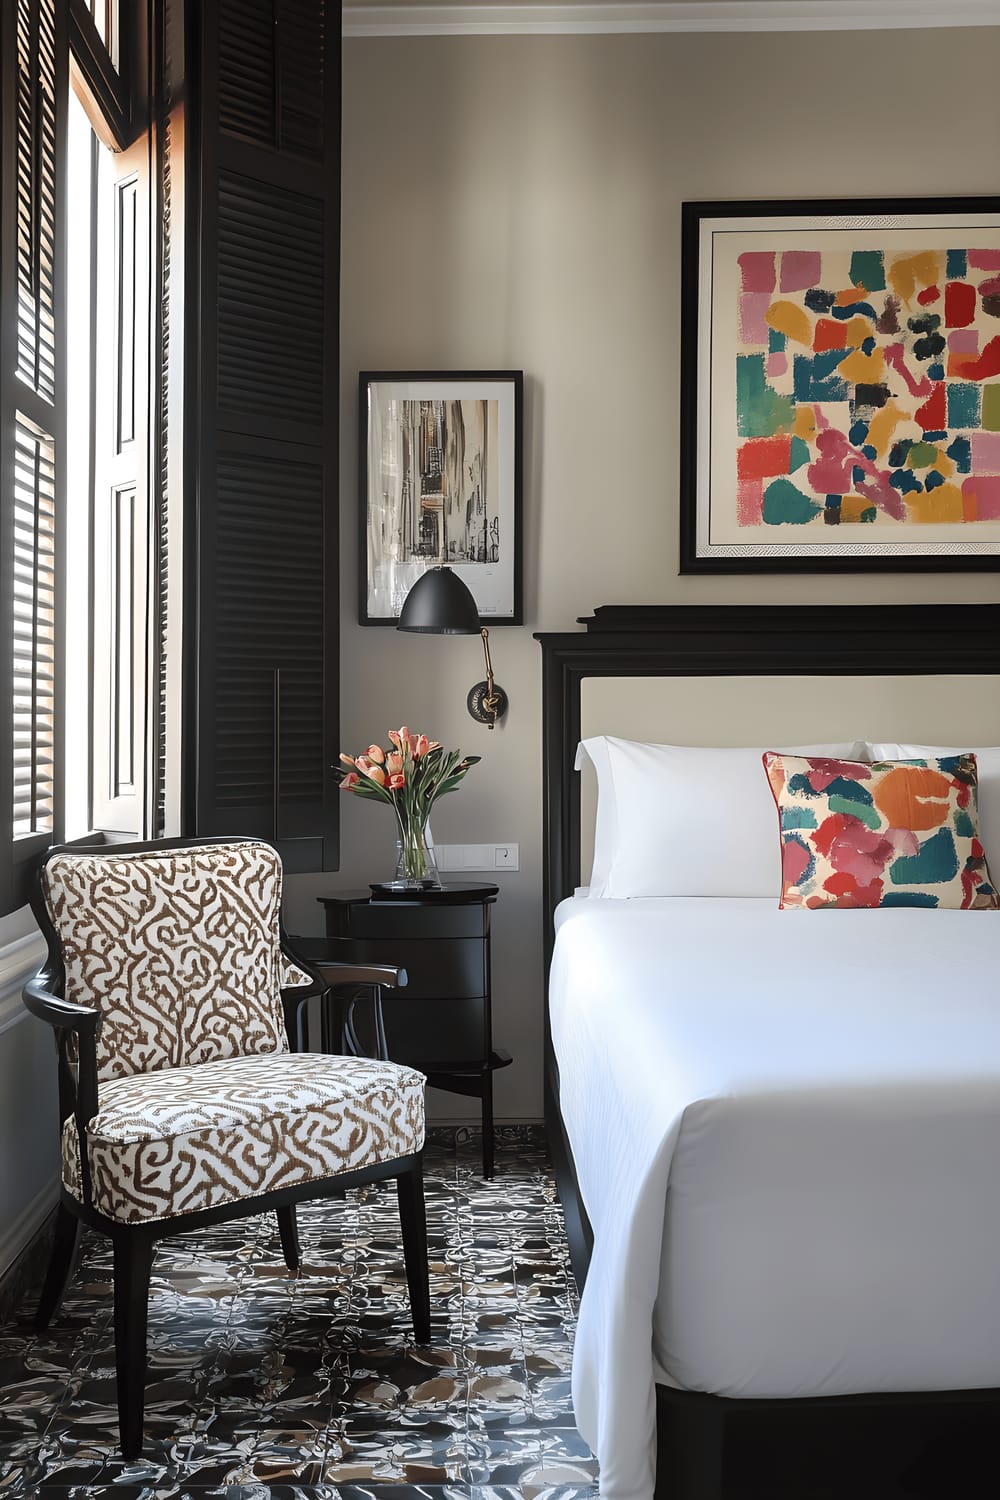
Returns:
(455, 892)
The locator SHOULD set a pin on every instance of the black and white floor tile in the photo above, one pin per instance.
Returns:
(261, 1385)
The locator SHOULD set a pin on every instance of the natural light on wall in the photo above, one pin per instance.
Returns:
(33, 629)
(107, 537)
(79, 468)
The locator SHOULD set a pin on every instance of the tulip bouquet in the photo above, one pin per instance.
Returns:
(410, 776)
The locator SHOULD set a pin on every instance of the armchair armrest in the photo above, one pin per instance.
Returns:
(329, 974)
(338, 976)
(350, 978)
(62, 1014)
(329, 977)
(77, 1086)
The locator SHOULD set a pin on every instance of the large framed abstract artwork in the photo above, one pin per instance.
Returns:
(840, 386)
(441, 482)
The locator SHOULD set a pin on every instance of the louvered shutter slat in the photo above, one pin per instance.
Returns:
(272, 72)
(36, 195)
(266, 508)
(33, 654)
(270, 299)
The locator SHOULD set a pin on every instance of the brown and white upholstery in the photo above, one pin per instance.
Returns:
(184, 1139)
(171, 989)
(180, 951)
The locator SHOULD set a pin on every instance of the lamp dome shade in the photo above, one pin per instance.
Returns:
(439, 603)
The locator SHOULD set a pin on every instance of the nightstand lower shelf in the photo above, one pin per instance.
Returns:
(474, 1084)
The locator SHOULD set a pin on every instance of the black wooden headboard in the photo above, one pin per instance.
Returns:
(739, 641)
(716, 641)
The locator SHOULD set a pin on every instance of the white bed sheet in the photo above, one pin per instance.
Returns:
(820, 1092)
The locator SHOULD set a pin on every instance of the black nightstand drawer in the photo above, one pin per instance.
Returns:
(435, 967)
(444, 1033)
(397, 919)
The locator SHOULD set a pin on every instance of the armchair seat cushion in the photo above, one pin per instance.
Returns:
(179, 1140)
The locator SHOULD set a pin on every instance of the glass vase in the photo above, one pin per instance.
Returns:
(416, 866)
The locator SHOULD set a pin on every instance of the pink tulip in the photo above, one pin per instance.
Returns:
(397, 782)
(394, 737)
(363, 764)
(376, 753)
(376, 774)
(394, 763)
(347, 759)
(404, 733)
(422, 745)
(350, 781)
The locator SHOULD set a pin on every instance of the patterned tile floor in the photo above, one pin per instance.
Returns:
(264, 1386)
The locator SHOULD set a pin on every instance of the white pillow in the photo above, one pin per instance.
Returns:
(682, 820)
(988, 763)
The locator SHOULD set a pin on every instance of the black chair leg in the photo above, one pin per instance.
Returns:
(413, 1220)
(133, 1262)
(62, 1263)
(289, 1231)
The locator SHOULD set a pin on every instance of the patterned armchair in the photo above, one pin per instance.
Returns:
(185, 1095)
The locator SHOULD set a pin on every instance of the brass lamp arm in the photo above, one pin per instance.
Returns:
(487, 702)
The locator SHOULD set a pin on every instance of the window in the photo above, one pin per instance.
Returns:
(168, 423)
(30, 431)
(104, 14)
(105, 600)
(73, 438)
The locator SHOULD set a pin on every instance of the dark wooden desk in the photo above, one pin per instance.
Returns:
(442, 1021)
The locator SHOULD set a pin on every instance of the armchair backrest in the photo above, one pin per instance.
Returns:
(178, 948)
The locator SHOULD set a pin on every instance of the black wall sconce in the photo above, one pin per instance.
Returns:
(439, 603)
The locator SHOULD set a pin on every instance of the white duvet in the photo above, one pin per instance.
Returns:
(786, 1129)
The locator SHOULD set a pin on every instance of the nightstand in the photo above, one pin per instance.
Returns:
(442, 1021)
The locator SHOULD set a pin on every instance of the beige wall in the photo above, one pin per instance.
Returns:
(514, 202)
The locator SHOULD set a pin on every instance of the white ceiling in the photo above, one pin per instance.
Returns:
(541, 17)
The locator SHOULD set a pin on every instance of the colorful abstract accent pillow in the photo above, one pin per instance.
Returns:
(888, 833)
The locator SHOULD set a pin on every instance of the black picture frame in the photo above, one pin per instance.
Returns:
(719, 527)
(436, 445)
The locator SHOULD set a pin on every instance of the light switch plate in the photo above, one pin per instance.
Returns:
(453, 858)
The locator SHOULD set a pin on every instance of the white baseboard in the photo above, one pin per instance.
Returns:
(19, 959)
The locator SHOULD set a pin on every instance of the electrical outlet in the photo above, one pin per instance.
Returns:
(505, 857)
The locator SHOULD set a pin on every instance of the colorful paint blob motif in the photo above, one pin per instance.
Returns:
(868, 387)
(889, 833)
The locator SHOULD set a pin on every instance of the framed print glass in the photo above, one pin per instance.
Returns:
(840, 386)
(440, 468)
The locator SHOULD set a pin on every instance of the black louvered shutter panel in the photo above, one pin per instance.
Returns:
(267, 480)
(33, 84)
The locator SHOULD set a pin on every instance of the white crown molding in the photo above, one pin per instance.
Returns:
(529, 19)
(18, 961)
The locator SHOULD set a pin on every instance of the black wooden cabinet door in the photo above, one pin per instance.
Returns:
(264, 336)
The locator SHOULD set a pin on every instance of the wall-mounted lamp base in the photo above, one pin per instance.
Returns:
(483, 708)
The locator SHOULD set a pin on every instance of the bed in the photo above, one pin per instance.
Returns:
(783, 1127)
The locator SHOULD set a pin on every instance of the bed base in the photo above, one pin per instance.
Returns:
(933, 1444)
(708, 1446)
(816, 1448)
